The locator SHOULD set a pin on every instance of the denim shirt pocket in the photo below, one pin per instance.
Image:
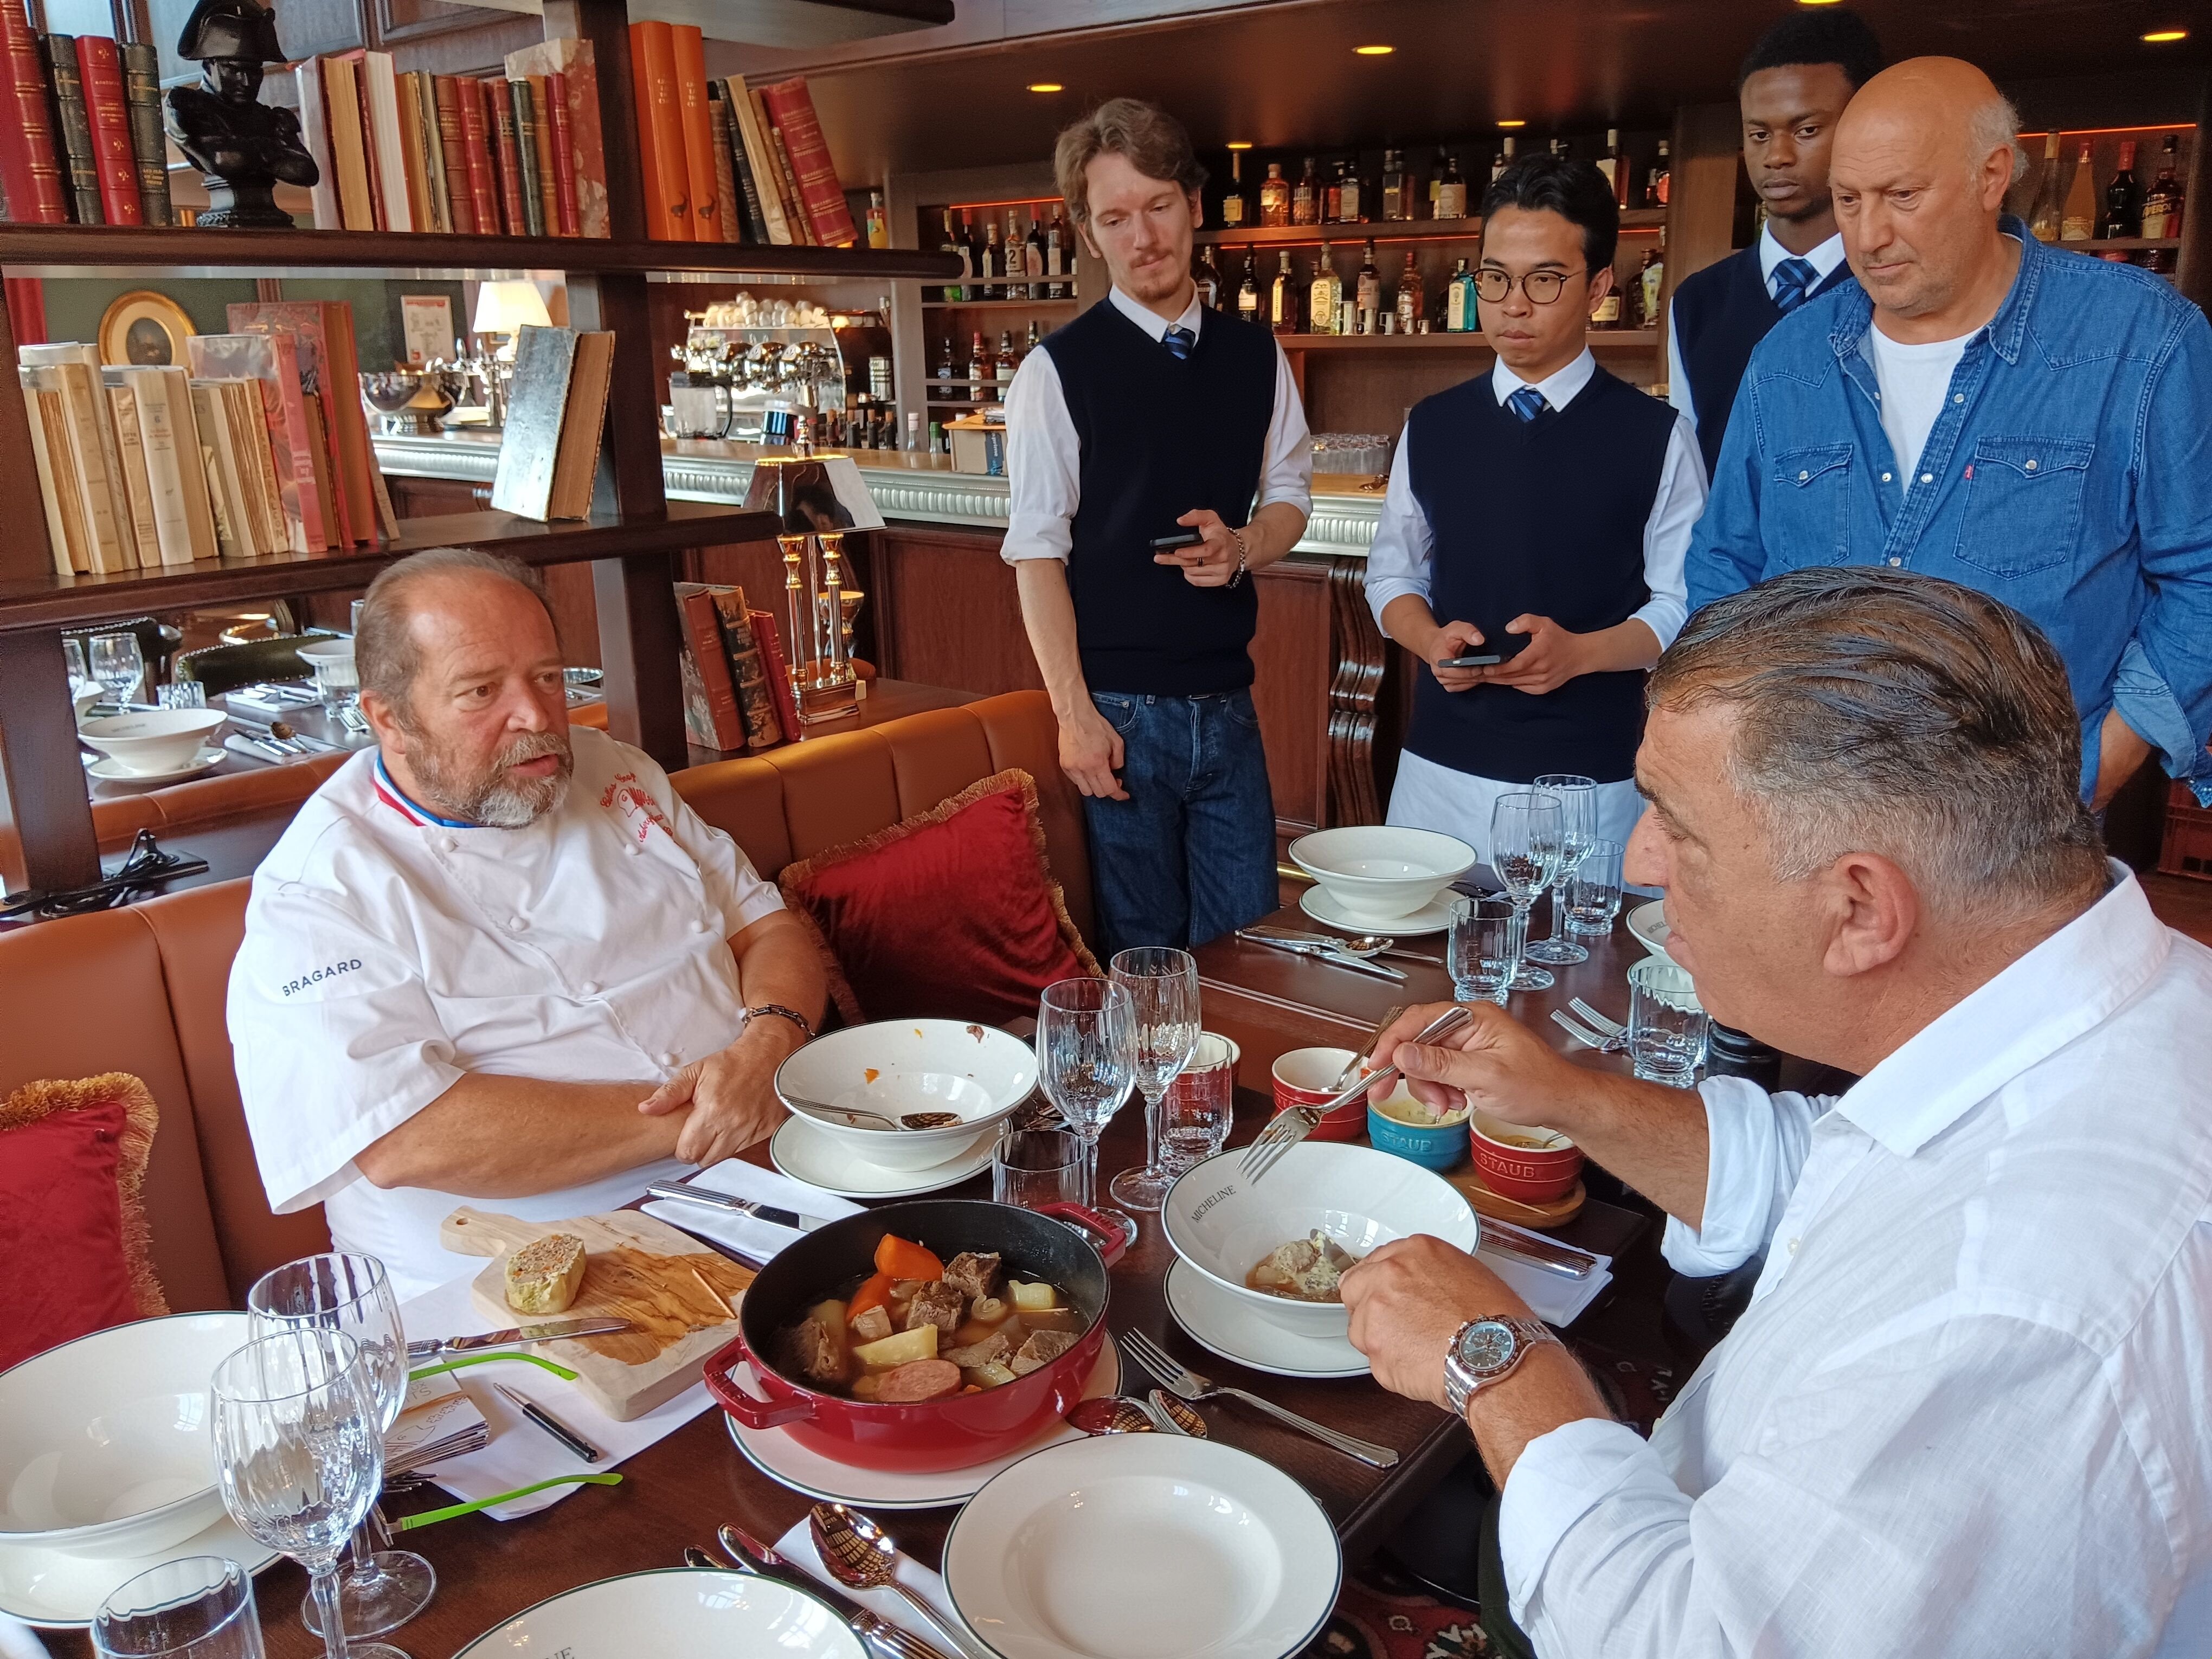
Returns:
(2024, 502)
(1808, 509)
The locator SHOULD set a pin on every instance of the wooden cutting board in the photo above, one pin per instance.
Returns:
(636, 1268)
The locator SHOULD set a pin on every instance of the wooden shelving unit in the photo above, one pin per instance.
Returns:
(1633, 220)
(1601, 339)
(630, 539)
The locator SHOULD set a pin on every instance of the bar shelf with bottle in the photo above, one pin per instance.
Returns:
(1633, 222)
(2116, 193)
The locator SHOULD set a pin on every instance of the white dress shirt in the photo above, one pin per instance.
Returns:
(1968, 1413)
(387, 954)
(1824, 259)
(1044, 456)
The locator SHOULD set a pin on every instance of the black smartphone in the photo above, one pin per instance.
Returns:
(1180, 539)
(1490, 661)
(1504, 648)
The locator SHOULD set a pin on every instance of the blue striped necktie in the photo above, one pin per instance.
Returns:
(1793, 280)
(1179, 341)
(1528, 402)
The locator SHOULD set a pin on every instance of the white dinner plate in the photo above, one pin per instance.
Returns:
(675, 1610)
(107, 771)
(1649, 923)
(1143, 1546)
(62, 1592)
(804, 1153)
(1428, 919)
(1221, 1323)
(787, 1463)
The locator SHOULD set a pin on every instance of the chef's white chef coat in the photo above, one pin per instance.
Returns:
(388, 951)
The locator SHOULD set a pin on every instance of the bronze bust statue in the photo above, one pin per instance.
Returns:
(243, 147)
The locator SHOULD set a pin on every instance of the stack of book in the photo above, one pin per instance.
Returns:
(81, 139)
(259, 447)
(737, 687)
(512, 155)
(724, 162)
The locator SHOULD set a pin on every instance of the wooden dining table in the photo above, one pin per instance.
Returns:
(676, 1492)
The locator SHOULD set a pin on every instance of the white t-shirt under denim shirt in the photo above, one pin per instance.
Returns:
(1914, 380)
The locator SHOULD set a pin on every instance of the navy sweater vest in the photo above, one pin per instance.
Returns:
(1544, 517)
(1721, 314)
(1161, 436)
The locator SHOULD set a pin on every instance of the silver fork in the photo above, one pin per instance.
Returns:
(1583, 1034)
(1181, 1380)
(1596, 1021)
(1293, 1126)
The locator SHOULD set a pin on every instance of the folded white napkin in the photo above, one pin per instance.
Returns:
(758, 1240)
(797, 1546)
(1554, 1299)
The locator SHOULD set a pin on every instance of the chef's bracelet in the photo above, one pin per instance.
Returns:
(805, 1026)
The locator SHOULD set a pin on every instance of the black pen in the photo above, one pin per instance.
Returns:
(552, 1424)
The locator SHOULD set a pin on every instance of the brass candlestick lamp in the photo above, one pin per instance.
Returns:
(817, 500)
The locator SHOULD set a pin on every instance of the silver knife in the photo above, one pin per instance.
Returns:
(1536, 1250)
(1334, 958)
(255, 749)
(713, 1199)
(762, 1561)
(552, 1330)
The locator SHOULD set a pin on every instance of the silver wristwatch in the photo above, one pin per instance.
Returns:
(1485, 1350)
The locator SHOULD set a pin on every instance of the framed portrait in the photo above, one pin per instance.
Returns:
(144, 329)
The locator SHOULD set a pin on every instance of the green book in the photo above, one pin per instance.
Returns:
(525, 141)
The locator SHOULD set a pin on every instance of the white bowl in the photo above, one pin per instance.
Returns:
(331, 663)
(900, 1065)
(154, 740)
(1225, 1226)
(1379, 873)
(104, 1444)
(1647, 922)
(687, 1610)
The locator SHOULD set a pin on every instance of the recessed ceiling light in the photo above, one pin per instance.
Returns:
(1239, 143)
(1375, 52)
(1512, 124)
(2161, 37)
(1046, 86)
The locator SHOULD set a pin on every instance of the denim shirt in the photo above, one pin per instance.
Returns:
(2069, 474)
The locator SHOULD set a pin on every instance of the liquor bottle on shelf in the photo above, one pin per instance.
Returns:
(1305, 198)
(1331, 201)
(993, 265)
(1059, 257)
(1283, 300)
(983, 373)
(948, 374)
(1395, 204)
(1248, 291)
(1659, 182)
(2123, 197)
(1010, 359)
(1451, 190)
(954, 244)
(1274, 196)
(1325, 292)
(1409, 294)
(1035, 338)
(1504, 159)
(2161, 217)
(1208, 277)
(1033, 259)
(1648, 279)
(2042, 218)
(1459, 302)
(1614, 166)
(879, 225)
(2078, 223)
(1232, 202)
(977, 247)
(1352, 206)
(1367, 309)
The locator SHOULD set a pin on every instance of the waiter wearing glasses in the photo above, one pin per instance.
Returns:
(1529, 551)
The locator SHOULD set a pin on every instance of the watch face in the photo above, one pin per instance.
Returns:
(1487, 1347)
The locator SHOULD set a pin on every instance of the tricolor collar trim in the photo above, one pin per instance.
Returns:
(392, 796)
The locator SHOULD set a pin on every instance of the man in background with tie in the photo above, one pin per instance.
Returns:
(1792, 89)
(1540, 511)
(1150, 418)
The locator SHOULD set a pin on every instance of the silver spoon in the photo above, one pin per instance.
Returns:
(1112, 1413)
(696, 1556)
(1179, 1414)
(861, 1556)
(852, 1117)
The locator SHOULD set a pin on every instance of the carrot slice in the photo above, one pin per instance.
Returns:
(903, 1258)
(876, 1293)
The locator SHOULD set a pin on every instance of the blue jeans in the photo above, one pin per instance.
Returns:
(1191, 854)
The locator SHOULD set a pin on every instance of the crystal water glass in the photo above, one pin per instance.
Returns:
(1528, 837)
(73, 665)
(1199, 1107)
(1032, 1168)
(299, 1457)
(118, 664)
(1594, 891)
(381, 1588)
(1578, 823)
(1086, 1061)
(199, 1607)
(1478, 951)
(1163, 987)
(1666, 1023)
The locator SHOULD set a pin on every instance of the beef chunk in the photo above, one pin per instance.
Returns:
(972, 1275)
(977, 1355)
(1040, 1351)
(814, 1354)
(938, 1304)
(871, 1324)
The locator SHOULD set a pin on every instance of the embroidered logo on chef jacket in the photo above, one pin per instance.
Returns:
(638, 813)
(330, 971)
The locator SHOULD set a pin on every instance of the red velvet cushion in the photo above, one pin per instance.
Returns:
(72, 1155)
(950, 914)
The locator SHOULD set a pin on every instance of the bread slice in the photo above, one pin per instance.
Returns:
(543, 1277)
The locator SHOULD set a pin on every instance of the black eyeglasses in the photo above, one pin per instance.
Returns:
(1542, 286)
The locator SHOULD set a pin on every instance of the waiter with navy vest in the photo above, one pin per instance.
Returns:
(1148, 421)
(1791, 89)
(1542, 509)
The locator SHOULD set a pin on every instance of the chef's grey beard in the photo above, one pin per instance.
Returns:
(490, 797)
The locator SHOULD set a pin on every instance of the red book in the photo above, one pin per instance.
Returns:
(792, 107)
(101, 73)
(30, 166)
(702, 633)
(475, 147)
(499, 121)
(779, 674)
(564, 160)
(452, 141)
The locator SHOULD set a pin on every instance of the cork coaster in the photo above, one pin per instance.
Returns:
(1553, 1213)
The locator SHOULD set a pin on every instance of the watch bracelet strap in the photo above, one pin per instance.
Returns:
(776, 1009)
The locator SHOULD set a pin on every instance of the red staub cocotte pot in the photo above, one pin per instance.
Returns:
(920, 1437)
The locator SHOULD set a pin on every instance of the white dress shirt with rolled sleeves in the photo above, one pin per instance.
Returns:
(388, 953)
(1044, 456)
(1968, 1413)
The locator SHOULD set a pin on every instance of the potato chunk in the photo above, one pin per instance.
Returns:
(1028, 1296)
(919, 1343)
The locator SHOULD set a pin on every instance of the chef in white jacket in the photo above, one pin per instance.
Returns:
(498, 960)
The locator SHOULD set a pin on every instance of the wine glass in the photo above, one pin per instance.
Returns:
(1086, 1060)
(1163, 985)
(299, 1457)
(1578, 820)
(118, 664)
(73, 662)
(1527, 840)
(382, 1588)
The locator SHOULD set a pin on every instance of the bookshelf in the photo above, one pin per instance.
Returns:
(630, 538)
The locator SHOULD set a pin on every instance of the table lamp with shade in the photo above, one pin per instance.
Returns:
(503, 309)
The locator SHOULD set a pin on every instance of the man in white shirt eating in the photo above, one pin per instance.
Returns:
(497, 958)
(1969, 1410)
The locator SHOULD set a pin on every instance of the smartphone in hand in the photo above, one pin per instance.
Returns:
(1505, 648)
